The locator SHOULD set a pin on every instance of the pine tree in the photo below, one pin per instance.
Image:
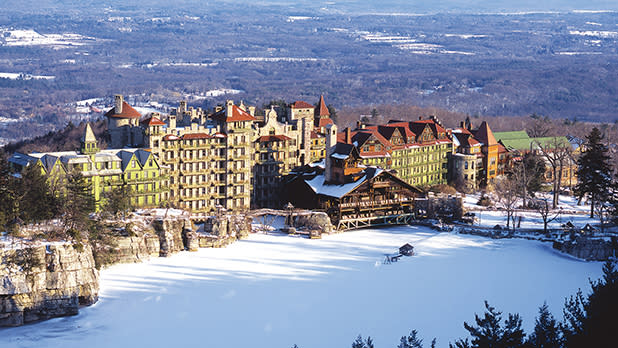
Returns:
(489, 332)
(546, 331)
(590, 322)
(78, 203)
(594, 171)
(359, 343)
(411, 341)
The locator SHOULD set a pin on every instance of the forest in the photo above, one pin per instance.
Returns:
(562, 65)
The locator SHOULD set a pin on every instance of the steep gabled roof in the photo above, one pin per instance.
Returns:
(323, 122)
(322, 108)
(484, 135)
(88, 134)
(142, 156)
(299, 104)
(237, 114)
(127, 112)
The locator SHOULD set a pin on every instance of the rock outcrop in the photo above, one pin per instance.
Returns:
(590, 249)
(314, 221)
(45, 281)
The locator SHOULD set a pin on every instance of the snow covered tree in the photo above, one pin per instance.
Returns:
(546, 331)
(489, 332)
(594, 171)
(590, 322)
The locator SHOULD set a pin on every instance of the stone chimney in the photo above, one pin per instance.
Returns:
(118, 100)
(359, 124)
(348, 136)
(420, 118)
(252, 111)
(461, 124)
(229, 105)
(171, 120)
(331, 141)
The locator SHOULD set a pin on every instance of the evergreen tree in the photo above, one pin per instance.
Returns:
(7, 200)
(118, 200)
(590, 322)
(594, 171)
(359, 343)
(489, 333)
(411, 341)
(36, 202)
(535, 172)
(546, 331)
(78, 203)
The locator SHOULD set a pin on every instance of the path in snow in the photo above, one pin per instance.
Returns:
(275, 291)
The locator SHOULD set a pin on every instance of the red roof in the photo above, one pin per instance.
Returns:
(153, 121)
(170, 137)
(238, 114)
(268, 138)
(322, 109)
(323, 122)
(196, 136)
(127, 112)
(485, 135)
(315, 135)
(299, 104)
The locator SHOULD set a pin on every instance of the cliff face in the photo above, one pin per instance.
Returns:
(45, 282)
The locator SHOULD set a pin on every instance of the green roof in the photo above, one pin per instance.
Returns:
(511, 135)
(527, 144)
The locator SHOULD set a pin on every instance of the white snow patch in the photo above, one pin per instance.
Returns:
(23, 76)
(595, 33)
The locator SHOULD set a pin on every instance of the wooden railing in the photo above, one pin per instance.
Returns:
(376, 202)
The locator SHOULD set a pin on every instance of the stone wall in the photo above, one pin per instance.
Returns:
(590, 249)
(56, 285)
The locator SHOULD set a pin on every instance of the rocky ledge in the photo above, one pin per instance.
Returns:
(45, 281)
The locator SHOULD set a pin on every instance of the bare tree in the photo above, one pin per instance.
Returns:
(507, 189)
(557, 152)
(547, 214)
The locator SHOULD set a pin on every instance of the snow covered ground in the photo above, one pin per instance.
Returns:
(277, 290)
(576, 214)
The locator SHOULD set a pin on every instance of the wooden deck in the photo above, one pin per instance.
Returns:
(350, 223)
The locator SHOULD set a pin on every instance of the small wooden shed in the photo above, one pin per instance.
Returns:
(406, 249)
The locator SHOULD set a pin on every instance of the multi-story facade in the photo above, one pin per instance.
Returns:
(226, 159)
(103, 170)
(416, 150)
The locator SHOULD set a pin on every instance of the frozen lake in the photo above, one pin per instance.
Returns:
(276, 291)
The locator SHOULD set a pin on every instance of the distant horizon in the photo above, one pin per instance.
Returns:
(348, 7)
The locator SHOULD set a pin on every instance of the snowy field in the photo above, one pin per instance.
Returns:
(568, 210)
(275, 291)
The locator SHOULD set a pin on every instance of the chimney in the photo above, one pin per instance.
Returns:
(252, 110)
(229, 105)
(461, 124)
(348, 136)
(420, 118)
(171, 122)
(331, 141)
(118, 104)
(358, 124)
